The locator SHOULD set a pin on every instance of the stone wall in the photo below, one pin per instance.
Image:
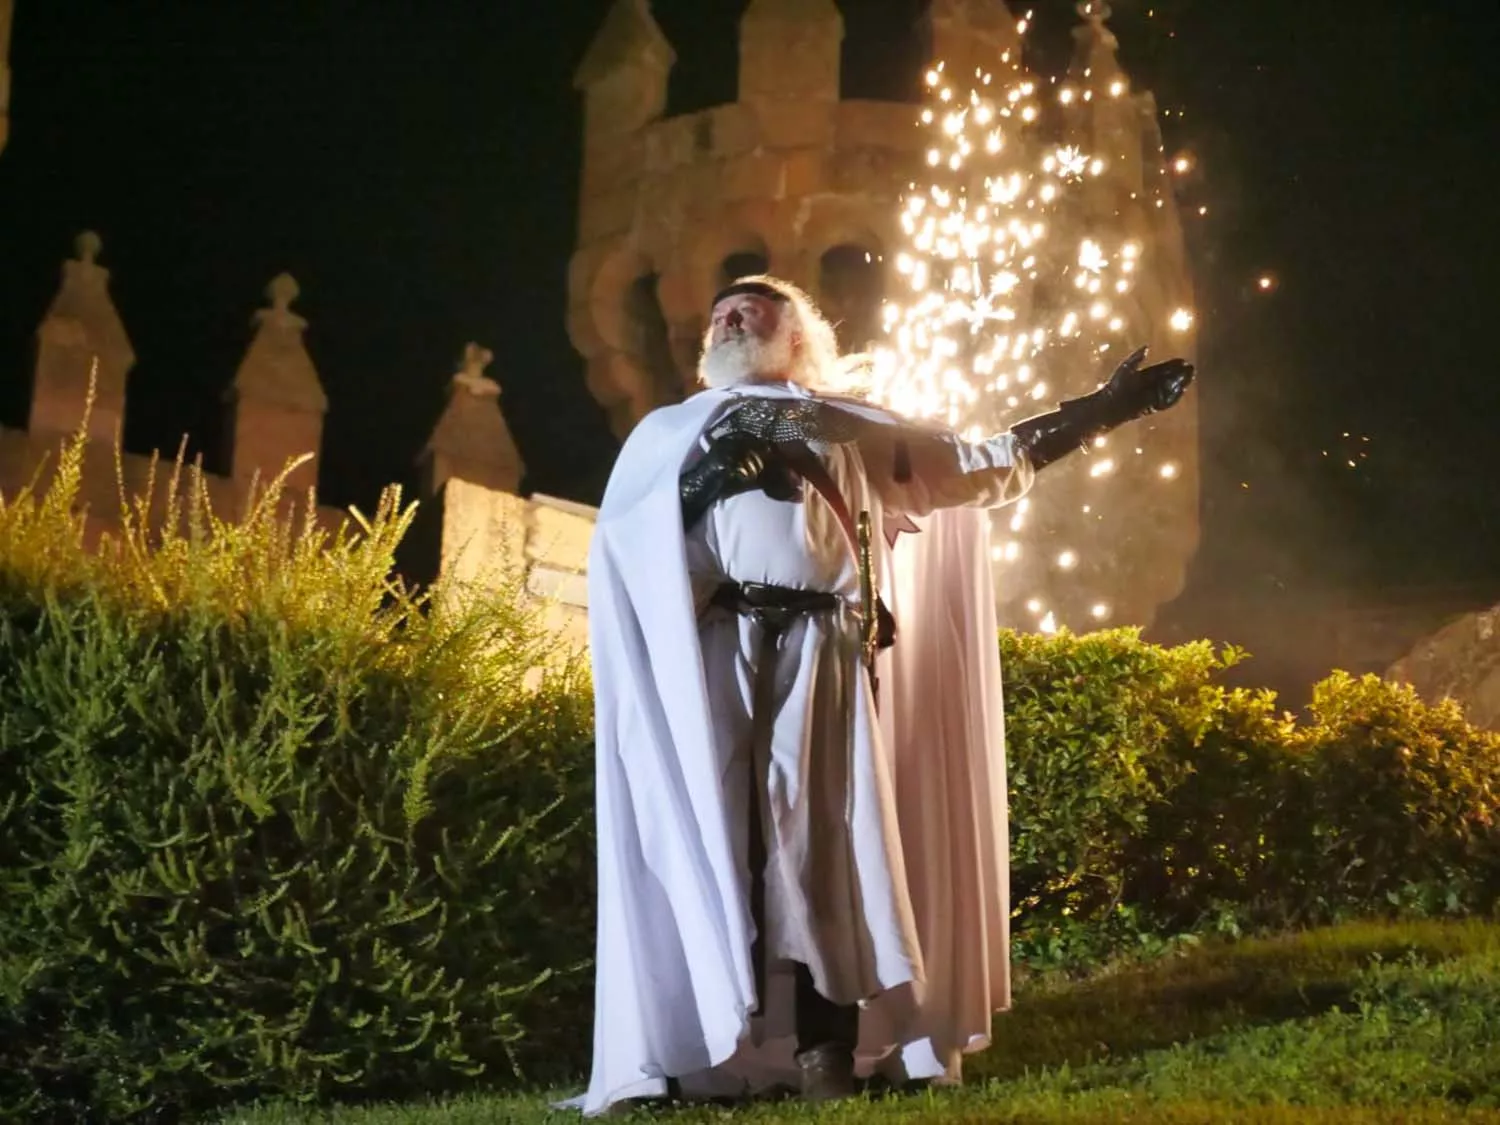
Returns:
(1460, 661)
(276, 406)
(80, 381)
(478, 539)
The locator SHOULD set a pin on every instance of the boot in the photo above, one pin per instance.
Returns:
(826, 1035)
(827, 1072)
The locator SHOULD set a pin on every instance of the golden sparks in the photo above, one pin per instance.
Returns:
(999, 312)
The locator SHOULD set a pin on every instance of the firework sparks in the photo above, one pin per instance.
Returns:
(998, 307)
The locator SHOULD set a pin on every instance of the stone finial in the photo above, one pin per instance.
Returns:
(87, 246)
(471, 440)
(81, 335)
(282, 291)
(471, 374)
(276, 368)
(1095, 63)
(276, 399)
(1106, 119)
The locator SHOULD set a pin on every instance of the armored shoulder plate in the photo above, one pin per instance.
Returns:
(802, 421)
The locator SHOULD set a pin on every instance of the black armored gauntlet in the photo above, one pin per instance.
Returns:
(734, 463)
(1132, 392)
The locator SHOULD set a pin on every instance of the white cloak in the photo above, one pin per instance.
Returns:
(675, 985)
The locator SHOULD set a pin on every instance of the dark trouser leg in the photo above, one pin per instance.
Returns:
(821, 1022)
(826, 1032)
(826, 1036)
(762, 708)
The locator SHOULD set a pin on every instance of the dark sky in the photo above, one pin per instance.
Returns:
(414, 164)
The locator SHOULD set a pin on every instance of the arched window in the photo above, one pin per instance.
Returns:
(851, 287)
(650, 339)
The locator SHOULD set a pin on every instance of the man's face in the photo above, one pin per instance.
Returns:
(751, 338)
(745, 313)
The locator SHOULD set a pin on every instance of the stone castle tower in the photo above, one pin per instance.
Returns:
(794, 179)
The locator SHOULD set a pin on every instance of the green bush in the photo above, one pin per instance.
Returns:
(270, 824)
(1096, 729)
(1401, 800)
(1149, 803)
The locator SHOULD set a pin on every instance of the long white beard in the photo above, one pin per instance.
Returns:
(747, 359)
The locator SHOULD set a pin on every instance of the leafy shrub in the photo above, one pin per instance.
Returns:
(271, 825)
(1094, 729)
(1401, 798)
(1149, 803)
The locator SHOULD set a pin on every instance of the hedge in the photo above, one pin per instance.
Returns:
(1149, 802)
(273, 825)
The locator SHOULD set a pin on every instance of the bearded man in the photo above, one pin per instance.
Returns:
(801, 788)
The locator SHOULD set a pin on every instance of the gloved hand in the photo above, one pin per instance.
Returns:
(1132, 392)
(734, 463)
(1139, 391)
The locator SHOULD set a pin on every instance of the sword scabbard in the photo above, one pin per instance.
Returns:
(869, 615)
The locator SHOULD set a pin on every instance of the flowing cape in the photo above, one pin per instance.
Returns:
(675, 984)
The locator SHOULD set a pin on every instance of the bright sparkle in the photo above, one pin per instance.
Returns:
(998, 316)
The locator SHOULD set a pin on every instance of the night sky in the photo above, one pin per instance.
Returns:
(414, 165)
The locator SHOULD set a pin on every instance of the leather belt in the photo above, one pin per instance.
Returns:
(759, 598)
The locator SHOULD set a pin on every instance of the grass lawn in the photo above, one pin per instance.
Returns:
(1356, 1024)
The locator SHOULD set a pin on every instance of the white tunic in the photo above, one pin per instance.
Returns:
(836, 895)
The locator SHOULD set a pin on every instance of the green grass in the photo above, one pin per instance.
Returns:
(1356, 1024)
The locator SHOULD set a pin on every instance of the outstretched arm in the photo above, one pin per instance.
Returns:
(917, 470)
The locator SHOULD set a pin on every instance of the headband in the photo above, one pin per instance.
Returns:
(754, 288)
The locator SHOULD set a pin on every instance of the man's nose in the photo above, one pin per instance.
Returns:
(734, 318)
